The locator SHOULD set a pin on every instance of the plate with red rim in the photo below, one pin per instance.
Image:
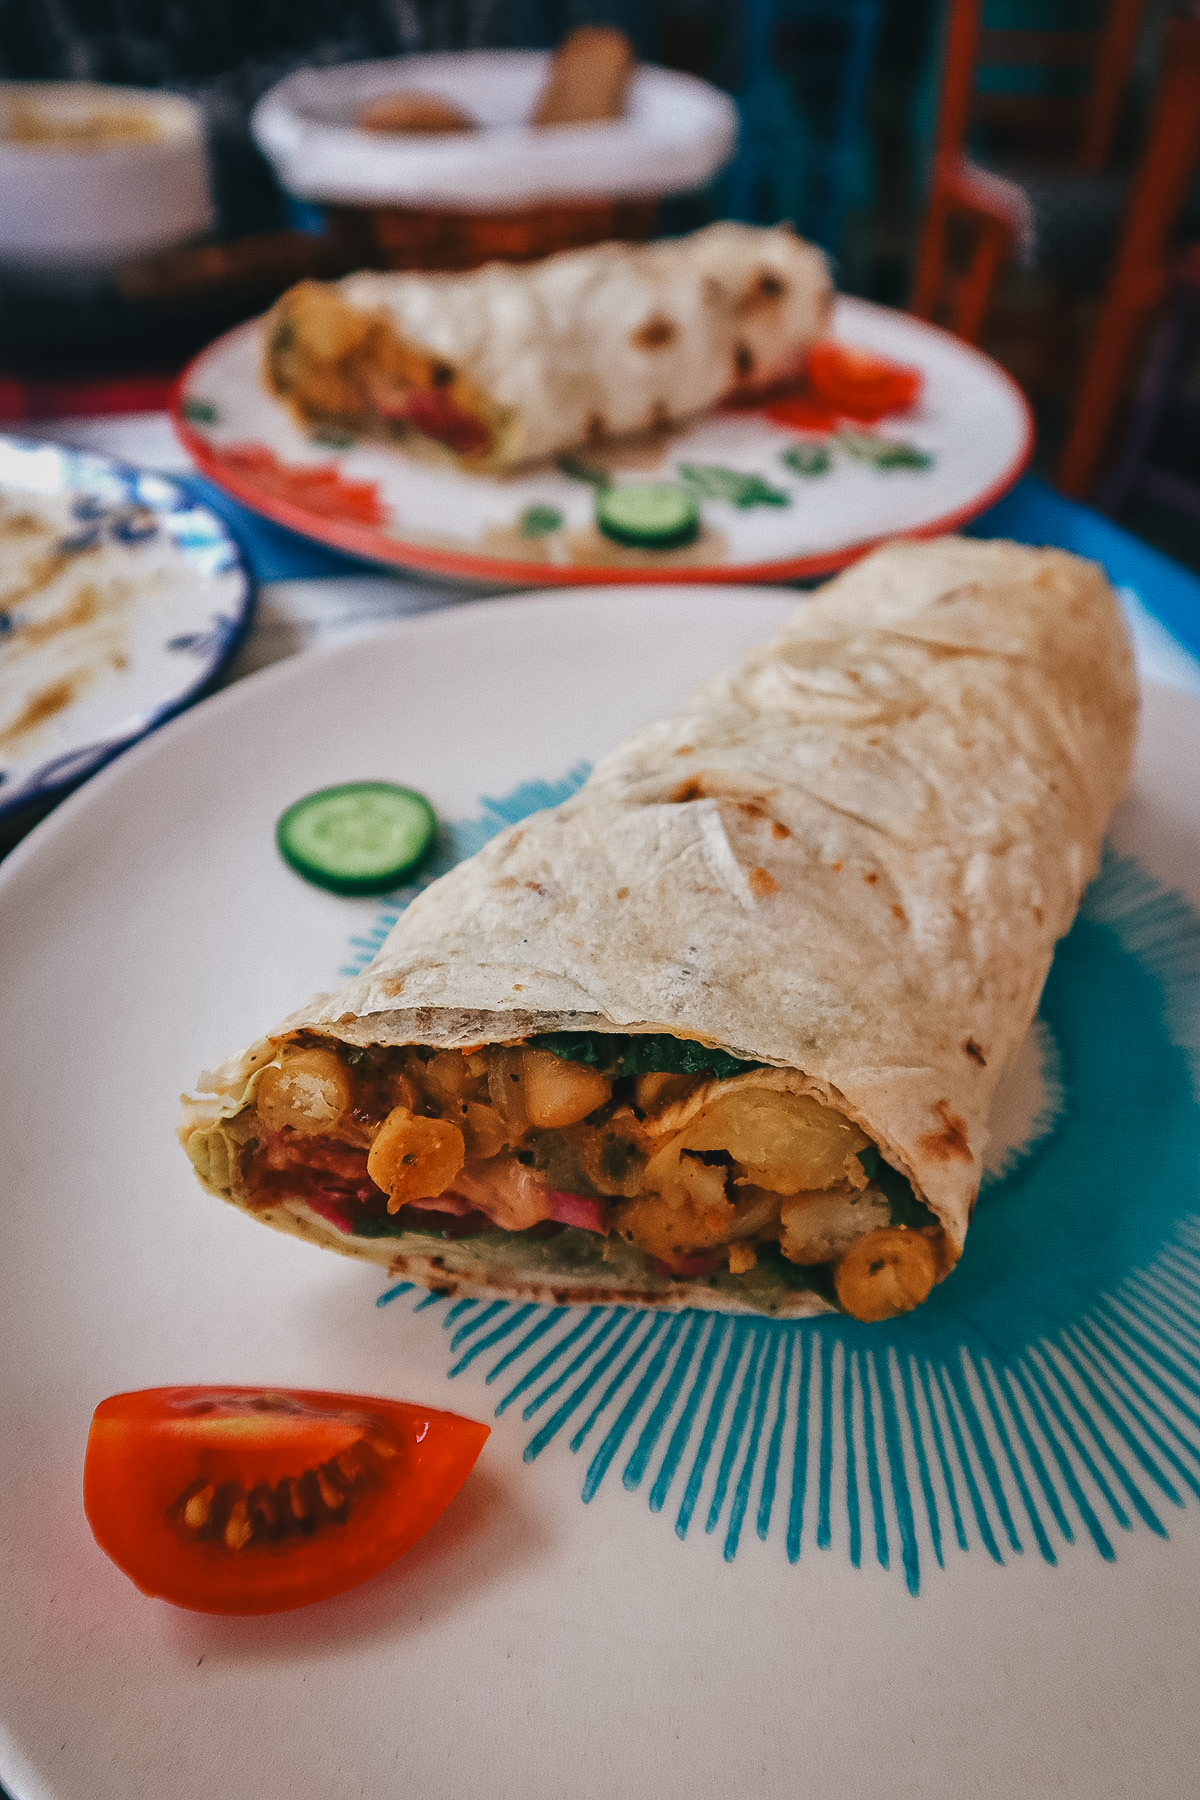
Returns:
(971, 428)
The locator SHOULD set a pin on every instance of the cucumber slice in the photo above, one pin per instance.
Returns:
(361, 838)
(650, 515)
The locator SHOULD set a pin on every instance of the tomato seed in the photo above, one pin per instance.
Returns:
(298, 1504)
(197, 1506)
(238, 1530)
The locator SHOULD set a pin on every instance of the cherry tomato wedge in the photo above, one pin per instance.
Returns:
(255, 1500)
(860, 383)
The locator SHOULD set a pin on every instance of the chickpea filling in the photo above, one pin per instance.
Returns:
(712, 1170)
(348, 369)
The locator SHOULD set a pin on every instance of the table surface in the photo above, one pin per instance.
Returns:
(309, 596)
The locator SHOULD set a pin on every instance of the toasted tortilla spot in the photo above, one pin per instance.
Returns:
(975, 1052)
(765, 290)
(692, 789)
(950, 1143)
(655, 333)
(762, 883)
(743, 360)
(685, 750)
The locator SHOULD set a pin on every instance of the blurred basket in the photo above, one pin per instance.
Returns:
(398, 237)
(506, 191)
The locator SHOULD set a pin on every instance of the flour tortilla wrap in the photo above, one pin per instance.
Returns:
(848, 859)
(514, 362)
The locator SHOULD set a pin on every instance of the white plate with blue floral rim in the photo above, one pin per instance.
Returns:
(700, 1557)
(120, 598)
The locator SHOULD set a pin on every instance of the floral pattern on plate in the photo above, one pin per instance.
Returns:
(120, 598)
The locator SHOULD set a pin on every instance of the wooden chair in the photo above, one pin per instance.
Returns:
(1141, 277)
(1168, 395)
(975, 217)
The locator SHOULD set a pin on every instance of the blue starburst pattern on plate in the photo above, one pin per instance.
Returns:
(1047, 1395)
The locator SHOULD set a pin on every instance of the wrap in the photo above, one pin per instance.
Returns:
(723, 1029)
(511, 363)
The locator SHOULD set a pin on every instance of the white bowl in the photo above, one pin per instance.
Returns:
(112, 172)
(676, 133)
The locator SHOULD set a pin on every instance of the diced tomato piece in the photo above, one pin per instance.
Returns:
(432, 411)
(802, 411)
(702, 1262)
(860, 383)
(576, 1209)
(256, 1500)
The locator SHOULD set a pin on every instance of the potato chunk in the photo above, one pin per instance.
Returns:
(786, 1143)
(560, 1093)
(821, 1227)
(413, 1158)
(308, 1090)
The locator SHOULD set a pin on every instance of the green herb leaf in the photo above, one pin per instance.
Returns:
(906, 1209)
(736, 488)
(884, 452)
(615, 1054)
(201, 412)
(539, 521)
(807, 459)
(577, 470)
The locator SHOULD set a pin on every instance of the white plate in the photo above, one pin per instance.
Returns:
(374, 500)
(120, 598)
(571, 1627)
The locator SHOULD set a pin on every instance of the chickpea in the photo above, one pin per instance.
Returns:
(560, 1093)
(448, 1076)
(484, 1130)
(308, 1090)
(506, 1089)
(886, 1273)
(412, 1158)
(653, 1091)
